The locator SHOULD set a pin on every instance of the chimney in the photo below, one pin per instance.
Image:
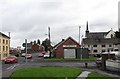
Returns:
(63, 39)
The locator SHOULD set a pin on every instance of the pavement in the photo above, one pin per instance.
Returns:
(83, 75)
(0, 69)
(104, 72)
(8, 69)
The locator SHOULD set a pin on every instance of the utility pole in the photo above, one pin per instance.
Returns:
(26, 50)
(79, 33)
(9, 44)
(49, 34)
(81, 48)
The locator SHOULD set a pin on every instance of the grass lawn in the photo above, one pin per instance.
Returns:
(47, 73)
(94, 75)
(91, 58)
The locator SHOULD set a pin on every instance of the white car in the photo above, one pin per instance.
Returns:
(23, 54)
(99, 60)
(46, 56)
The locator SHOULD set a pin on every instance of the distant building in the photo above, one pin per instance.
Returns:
(33, 47)
(98, 42)
(13, 50)
(37, 48)
(4, 46)
(66, 48)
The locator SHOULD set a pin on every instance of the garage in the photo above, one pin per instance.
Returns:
(66, 48)
(69, 53)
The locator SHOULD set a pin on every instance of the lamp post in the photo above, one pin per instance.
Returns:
(81, 48)
(79, 33)
(9, 43)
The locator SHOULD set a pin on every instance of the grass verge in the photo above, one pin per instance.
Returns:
(47, 73)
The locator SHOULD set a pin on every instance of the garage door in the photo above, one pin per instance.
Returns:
(69, 53)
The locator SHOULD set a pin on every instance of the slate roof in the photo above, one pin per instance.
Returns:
(97, 34)
(101, 41)
(3, 35)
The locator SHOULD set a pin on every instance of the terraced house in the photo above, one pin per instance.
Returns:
(98, 42)
(4, 46)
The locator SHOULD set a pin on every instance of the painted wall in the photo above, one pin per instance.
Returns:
(110, 33)
(4, 47)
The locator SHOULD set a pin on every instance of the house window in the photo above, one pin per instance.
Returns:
(6, 48)
(3, 41)
(103, 50)
(88, 45)
(115, 44)
(116, 50)
(110, 45)
(103, 45)
(95, 51)
(3, 48)
(112, 49)
(94, 45)
(6, 41)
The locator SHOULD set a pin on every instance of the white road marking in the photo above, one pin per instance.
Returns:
(9, 67)
(13, 66)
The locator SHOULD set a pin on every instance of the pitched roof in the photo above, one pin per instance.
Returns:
(61, 42)
(97, 34)
(100, 41)
(3, 35)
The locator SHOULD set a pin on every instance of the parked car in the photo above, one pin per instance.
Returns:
(23, 54)
(43, 52)
(41, 55)
(28, 56)
(11, 59)
(99, 61)
(17, 54)
(46, 56)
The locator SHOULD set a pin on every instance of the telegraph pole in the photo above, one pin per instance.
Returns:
(9, 43)
(49, 34)
(49, 41)
(79, 33)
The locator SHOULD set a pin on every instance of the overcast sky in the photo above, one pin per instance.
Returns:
(29, 19)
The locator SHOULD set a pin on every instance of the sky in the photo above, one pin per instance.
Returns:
(30, 19)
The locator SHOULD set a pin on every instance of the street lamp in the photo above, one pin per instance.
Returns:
(79, 33)
(81, 48)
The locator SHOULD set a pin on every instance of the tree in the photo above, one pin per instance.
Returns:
(46, 44)
(38, 41)
(34, 42)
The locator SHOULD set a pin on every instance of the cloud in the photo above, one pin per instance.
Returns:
(29, 19)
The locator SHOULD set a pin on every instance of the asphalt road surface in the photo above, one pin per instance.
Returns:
(8, 69)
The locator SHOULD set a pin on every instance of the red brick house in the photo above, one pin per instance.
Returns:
(37, 48)
(66, 48)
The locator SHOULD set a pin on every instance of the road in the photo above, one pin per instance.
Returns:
(8, 69)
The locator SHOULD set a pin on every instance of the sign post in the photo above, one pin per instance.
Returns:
(26, 50)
